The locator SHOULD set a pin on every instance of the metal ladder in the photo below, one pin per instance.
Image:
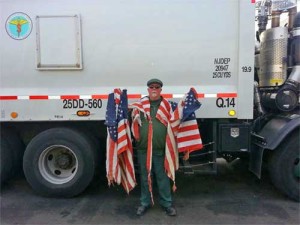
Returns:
(200, 162)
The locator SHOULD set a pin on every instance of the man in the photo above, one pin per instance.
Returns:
(150, 134)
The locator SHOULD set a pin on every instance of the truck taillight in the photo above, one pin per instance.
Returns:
(83, 113)
(14, 115)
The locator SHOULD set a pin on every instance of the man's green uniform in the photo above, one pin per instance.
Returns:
(158, 157)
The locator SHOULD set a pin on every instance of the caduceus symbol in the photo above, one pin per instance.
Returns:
(18, 22)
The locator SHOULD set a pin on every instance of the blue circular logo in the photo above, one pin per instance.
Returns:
(18, 26)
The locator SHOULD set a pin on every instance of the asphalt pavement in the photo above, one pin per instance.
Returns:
(233, 196)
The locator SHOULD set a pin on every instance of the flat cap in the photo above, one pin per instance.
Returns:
(154, 81)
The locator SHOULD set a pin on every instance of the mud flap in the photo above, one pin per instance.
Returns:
(256, 158)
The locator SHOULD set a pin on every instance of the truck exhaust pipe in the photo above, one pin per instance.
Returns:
(288, 95)
(276, 18)
(292, 15)
(257, 100)
(286, 98)
(278, 7)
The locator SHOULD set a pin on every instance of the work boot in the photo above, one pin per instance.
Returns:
(141, 210)
(170, 211)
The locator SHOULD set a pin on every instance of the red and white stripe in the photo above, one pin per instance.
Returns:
(187, 132)
(105, 96)
(163, 115)
(188, 137)
(125, 157)
(112, 166)
(119, 162)
(171, 156)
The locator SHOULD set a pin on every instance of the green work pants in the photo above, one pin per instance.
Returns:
(162, 180)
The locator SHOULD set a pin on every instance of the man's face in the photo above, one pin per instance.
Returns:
(154, 91)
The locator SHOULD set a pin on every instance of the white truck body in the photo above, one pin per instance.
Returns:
(78, 51)
(60, 59)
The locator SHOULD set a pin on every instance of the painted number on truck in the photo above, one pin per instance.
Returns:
(246, 69)
(222, 68)
(82, 103)
(225, 102)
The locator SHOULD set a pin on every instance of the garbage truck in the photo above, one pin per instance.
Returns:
(61, 59)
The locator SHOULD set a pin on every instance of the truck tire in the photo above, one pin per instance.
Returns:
(284, 167)
(59, 162)
(98, 154)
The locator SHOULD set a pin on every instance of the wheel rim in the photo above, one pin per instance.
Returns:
(58, 164)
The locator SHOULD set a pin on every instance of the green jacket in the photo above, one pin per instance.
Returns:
(159, 131)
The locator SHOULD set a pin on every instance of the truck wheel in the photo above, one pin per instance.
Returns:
(284, 167)
(59, 162)
(98, 154)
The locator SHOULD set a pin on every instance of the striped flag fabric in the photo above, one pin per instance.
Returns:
(163, 115)
(125, 149)
(119, 163)
(182, 130)
(112, 167)
(185, 125)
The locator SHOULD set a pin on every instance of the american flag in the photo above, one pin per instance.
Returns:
(182, 130)
(185, 124)
(119, 163)
(163, 115)
(112, 167)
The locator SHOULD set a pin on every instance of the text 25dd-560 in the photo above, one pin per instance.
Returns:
(82, 103)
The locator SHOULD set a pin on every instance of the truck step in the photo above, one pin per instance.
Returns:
(200, 163)
(201, 168)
